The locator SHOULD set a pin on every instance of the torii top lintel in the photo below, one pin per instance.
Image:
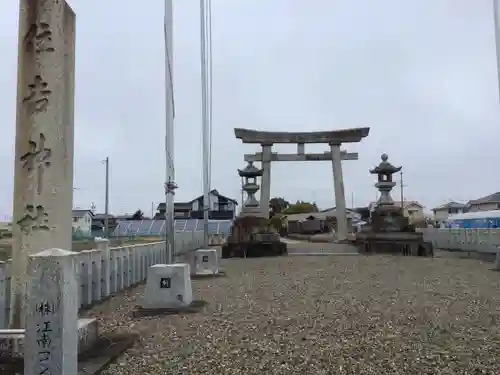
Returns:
(332, 137)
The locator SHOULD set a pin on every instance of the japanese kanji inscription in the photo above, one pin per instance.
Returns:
(38, 157)
(39, 36)
(44, 340)
(38, 95)
(34, 219)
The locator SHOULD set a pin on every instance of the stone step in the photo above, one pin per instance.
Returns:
(12, 340)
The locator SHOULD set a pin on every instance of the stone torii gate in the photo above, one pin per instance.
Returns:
(334, 138)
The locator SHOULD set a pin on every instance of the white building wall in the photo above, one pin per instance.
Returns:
(442, 215)
(195, 206)
(483, 207)
(83, 224)
(214, 202)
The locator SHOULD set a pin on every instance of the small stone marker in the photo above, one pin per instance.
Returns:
(168, 286)
(51, 338)
(205, 262)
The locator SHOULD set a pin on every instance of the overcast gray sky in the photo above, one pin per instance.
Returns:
(420, 73)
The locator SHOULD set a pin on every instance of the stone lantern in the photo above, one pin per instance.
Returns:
(250, 187)
(389, 230)
(385, 170)
(387, 216)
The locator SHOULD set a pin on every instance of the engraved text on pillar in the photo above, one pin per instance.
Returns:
(37, 156)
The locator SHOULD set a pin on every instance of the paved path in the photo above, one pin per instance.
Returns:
(299, 247)
(289, 240)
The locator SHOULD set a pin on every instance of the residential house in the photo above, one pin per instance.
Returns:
(488, 203)
(220, 208)
(318, 222)
(82, 222)
(364, 213)
(99, 222)
(413, 210)
(182, 210)
(442, 212)
(124, 217)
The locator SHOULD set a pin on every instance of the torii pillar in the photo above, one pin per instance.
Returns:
(265, 188)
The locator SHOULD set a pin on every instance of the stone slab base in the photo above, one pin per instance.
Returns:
(91, 362)
(12, 340)
(209, 275)
(323, 254)
(374, 246)
(346, 241)
(253, 249)
(194, 307)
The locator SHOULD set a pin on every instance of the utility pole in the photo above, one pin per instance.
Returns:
(106, 199)
(402, 185)
(496, 20)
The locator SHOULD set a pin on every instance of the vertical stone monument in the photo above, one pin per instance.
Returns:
(43, 181)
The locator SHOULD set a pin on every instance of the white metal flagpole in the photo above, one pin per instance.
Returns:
(204, 121)
(496, 18)
(170, 184)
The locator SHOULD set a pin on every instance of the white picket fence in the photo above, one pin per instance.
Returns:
(108, 270)
(469, 240)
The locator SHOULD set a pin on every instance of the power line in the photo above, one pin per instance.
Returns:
(106, 198)
(402, 186)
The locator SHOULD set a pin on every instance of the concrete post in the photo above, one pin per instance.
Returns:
(96, 271)
(51, 338)
(103, 245)
(265, 189)
(3, 295)
(43, 171)
(338, 181)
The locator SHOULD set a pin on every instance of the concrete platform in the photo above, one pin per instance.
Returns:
(104, 351)
(12, 340)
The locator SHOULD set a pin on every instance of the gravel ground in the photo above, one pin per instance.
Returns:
(323, 315)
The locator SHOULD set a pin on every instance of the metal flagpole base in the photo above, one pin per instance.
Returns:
(170, 187)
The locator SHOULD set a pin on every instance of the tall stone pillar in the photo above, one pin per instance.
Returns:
(338, 182)
(265, 188)
(43, 180)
